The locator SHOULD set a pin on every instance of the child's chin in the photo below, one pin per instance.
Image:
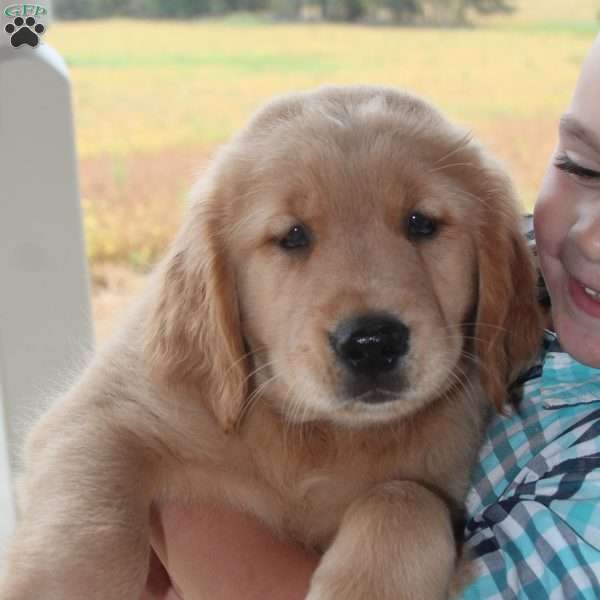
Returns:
(581, 341)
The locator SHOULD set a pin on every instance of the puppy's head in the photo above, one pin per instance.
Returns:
(350, 256)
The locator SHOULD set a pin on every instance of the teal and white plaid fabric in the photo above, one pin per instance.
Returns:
(534, 508)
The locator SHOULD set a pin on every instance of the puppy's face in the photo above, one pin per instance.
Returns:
(358, 253)
(354, 253)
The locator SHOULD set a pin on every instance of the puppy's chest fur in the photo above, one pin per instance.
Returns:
(301, 479)
(319, 473)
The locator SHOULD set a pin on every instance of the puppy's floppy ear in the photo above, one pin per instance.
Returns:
(193, 338)
(508, 325)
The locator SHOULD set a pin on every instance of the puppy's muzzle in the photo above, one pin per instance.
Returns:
(370, 348)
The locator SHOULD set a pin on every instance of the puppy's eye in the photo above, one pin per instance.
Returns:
(420, 226)
(296, 237)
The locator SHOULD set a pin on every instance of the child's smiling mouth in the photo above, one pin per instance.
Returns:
(584, 297)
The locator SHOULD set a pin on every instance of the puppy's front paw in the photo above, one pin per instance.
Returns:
(337, 586)
(394, 543)
(339, 577)
(320, 591)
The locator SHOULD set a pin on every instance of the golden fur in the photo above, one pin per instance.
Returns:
(223, 384)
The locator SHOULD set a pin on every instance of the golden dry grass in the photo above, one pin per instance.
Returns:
(153, 99)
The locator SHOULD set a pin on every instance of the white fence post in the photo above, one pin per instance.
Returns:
(45, 323)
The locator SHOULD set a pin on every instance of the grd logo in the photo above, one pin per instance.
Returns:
(24, 28)
(25, 10)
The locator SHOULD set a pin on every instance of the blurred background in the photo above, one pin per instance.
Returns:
(157, 86)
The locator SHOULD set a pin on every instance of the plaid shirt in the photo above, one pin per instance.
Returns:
(533, 524)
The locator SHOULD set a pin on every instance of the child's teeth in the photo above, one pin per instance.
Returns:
(590, 292)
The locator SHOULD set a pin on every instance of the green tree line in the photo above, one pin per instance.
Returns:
(441, 12)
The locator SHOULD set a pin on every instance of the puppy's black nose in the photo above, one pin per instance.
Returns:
(370, 344)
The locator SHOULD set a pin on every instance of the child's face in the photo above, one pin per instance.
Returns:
(567, 220)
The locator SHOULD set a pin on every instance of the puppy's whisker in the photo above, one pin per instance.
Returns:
(461, 379)
(478, 199)
(298, 408)
(255, 396)
(484, 197)
(461, 338)
(452, 165)
(467, 383)
(242, 358)
(293, 407)
(481, 366)
(477, 324)
(260, 388)
(469, 356)
(462, 143)
(252, 402)
(260, 368)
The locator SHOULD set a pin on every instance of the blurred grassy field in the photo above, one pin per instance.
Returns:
(153, 99)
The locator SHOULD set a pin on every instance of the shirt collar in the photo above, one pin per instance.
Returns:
(566, 382)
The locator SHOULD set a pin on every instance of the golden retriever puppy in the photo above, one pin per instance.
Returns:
(348, 295)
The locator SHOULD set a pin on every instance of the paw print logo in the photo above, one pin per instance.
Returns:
(24, 31)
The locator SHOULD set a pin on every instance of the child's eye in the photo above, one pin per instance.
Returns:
(568, 165)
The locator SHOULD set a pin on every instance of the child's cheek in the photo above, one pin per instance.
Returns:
(555, 211)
